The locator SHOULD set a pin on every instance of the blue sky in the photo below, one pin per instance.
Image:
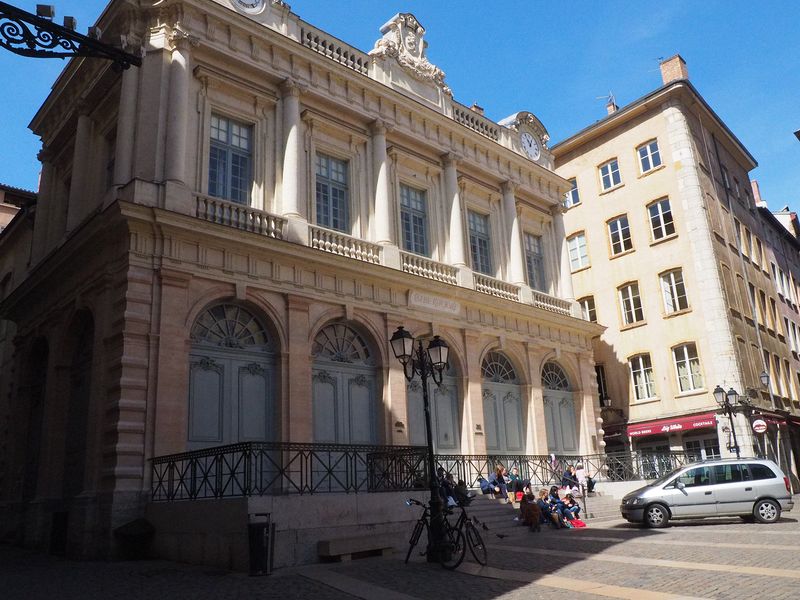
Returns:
(553, 59)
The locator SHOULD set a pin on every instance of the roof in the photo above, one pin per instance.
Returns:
(621, 116)
(18, 196)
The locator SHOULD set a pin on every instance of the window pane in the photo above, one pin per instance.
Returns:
(413, 217)
(332, 197)
(696, 477)
(230, 160)
(479, 242)
(578, 256)
(534, 262)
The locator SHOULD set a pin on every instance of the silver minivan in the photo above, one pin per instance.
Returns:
(751, 488)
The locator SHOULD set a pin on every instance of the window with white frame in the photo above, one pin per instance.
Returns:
(230, 160)
(571, 198)
(480, 242)
(661, 223)
(602, 385)
(673, 291)
(630, 304)
(588, 309)
(609, 174)
(649, 156)
(644, 386)
(687, 367)
(333, 193)
(619, 233)
(414, 220)
(534, 262)
(578, 253)
(725, 179)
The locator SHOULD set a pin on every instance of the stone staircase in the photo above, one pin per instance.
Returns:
(599, 507)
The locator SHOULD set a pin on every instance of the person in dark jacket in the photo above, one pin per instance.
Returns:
(549, 512)
(568, 479)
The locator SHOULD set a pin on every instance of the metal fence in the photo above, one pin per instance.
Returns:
(256, 469)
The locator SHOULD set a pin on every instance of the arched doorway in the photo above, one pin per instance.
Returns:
(231, 379)
(345, 380)
(559, 410)
(445, 422)
(502, 405)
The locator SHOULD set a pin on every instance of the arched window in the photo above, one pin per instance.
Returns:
(345, 384)
(559, 410)
(231, 378)
(502, 405)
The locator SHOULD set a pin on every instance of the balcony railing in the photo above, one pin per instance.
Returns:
(551, 303)
(430, 269)
(239, 216)
(258, 469)
(344, 245)
(495, 287)
(476, 122)
(335, 49)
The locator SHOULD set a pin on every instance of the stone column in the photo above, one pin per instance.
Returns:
(516, 264)
(457, 256)
(44, 207)
(126, 126)
(382, 216)
(564, 270)
(78, 189)
(298, 412)
(292, 151)
(178, 108)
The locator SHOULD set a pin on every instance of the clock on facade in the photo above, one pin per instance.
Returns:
(249, 6)
(530, 146)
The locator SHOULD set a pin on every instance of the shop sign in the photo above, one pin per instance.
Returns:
(667, 426)
(759, 425)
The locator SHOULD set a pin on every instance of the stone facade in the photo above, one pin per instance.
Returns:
(247, 192)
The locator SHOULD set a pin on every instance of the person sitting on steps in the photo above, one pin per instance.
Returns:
(498, 483)
(548, 511)
(529, 510)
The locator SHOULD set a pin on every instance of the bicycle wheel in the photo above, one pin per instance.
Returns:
(476, 545)
(415, 538)
(453, 548)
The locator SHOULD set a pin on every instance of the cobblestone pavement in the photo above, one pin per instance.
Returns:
(722, 558)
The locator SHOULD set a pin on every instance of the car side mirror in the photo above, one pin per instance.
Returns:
(680, 485)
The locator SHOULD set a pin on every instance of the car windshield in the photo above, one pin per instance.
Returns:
(664, 478)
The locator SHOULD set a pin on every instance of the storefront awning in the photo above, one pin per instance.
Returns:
(666, 426)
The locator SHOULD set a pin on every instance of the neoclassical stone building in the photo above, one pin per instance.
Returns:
(226, 239)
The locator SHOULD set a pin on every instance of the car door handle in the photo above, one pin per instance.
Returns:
(748, 489)
(708, 493)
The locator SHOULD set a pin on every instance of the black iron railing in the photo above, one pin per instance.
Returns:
(258, 469)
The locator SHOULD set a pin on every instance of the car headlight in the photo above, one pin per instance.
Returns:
(633, 501)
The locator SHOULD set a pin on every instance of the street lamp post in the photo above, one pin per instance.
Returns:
(728, 402)
(426, 364)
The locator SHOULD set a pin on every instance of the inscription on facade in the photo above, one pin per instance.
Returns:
(436, 303)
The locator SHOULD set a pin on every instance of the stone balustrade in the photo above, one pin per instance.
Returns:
(239, 216)
(476, 122)
(495, 287)
(342, 244)
(551, 303)
(430, 269)
(335, 49)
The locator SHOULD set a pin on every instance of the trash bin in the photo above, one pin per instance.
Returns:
(261, 536)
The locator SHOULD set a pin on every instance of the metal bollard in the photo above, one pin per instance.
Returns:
(261, 537)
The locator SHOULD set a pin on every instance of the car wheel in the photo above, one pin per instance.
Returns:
(767, 511)
(656, 516)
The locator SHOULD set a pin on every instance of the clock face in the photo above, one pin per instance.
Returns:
(249, 6)
(530, 146)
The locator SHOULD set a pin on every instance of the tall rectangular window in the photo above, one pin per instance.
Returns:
(779, 383)
(725, 179)
(687, 367)
(644, 386)
(588, 309)
(649, 157)
(661, 224)
(602, 386)
(333, 193)
(414, 220)
(673, 291)
(534, 262)
(578, 253)
(619, 233)
(230, 160)
(631, 304)
(480, 243)
(609, 174)
(571, 198)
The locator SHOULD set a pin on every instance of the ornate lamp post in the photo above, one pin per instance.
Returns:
(727, 402)
(426, 364)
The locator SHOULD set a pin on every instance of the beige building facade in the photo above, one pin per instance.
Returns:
(225, 240)
(666, 251)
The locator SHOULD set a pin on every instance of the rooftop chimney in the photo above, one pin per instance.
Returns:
(476, 108)
(611, 107)
(757, 193)
(673, 68)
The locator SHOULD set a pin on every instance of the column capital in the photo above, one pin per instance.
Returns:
(380, 127)
(291, 87)
(451, 159)
(182, 40)
(45, 154)
(83, 107)
(509, 186)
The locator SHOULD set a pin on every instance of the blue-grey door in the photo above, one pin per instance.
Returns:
(502, 405)
(444, 414)
(559, 411)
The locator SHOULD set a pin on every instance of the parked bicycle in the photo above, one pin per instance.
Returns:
(457, 537)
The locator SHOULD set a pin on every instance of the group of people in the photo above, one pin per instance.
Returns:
(549, 507)
(452, 493)
(576, 480)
